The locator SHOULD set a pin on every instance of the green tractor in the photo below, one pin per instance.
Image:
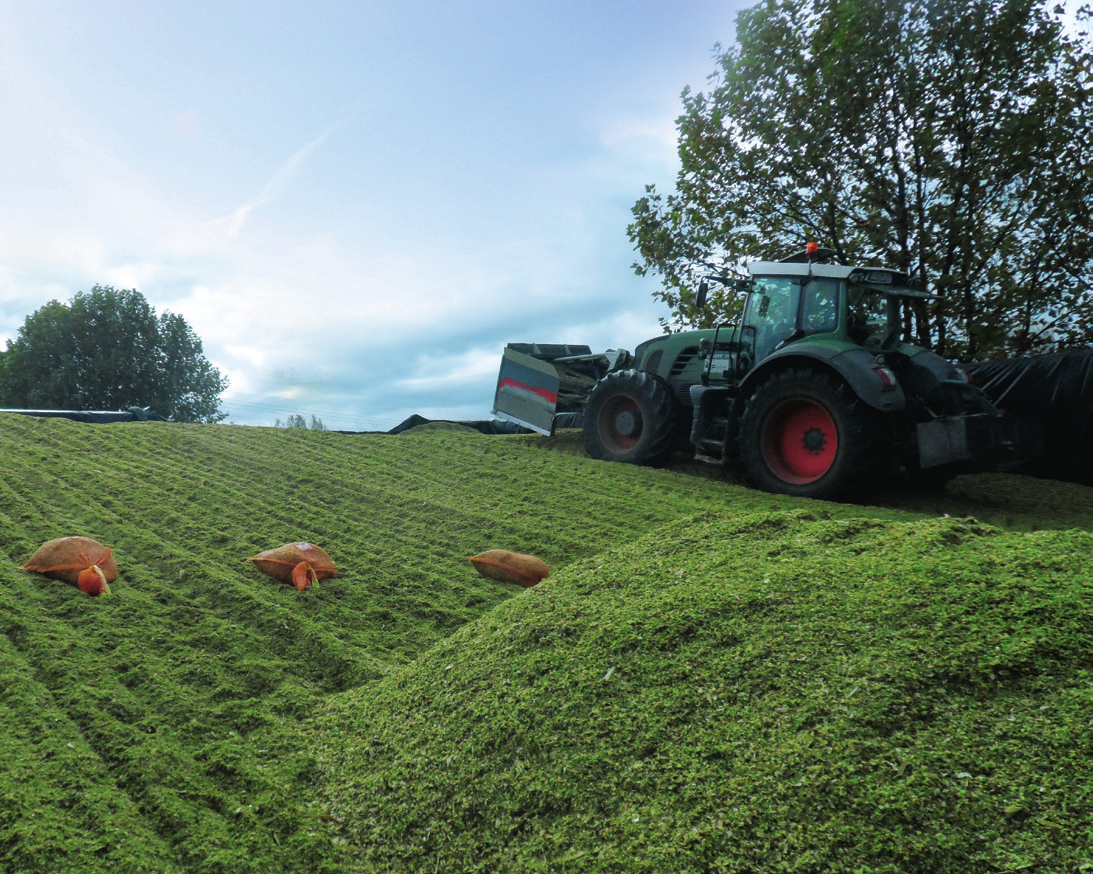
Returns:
(818, 391)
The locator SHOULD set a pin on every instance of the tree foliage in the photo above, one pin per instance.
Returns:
(107, 350)
(949, 138)
(295, 420)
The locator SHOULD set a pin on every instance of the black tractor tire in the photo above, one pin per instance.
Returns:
(631, 417)
(805, 433)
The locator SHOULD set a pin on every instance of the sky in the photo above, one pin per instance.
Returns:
(354, 205)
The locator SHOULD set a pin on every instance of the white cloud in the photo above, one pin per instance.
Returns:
(274, 188)
(647, 141)
(444, 371)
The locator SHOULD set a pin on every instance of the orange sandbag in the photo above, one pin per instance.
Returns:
(298, 563)
(81, 561)
(510, 567)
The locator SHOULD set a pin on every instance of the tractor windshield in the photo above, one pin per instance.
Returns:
(772, 311)
(781, 308)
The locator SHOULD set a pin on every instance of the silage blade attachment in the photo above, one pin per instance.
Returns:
(527, 392)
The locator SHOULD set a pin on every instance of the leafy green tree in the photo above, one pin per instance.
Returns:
(295, 420)
(108, 350)
(949, 138)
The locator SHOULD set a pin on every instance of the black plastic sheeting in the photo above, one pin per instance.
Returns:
(484, 426)
(1056, 393)
(97, 417)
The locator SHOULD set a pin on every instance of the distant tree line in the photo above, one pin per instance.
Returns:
(107, 349)
(295, 420)
(952, 139)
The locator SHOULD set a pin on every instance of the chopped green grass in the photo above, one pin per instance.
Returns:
(781, 692)
(169, 727)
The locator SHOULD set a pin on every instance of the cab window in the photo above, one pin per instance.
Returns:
(867, 312)
(820, 306)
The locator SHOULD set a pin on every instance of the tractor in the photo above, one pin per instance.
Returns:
(818, 391)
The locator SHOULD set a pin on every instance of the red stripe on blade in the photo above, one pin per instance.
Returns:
(546, 394)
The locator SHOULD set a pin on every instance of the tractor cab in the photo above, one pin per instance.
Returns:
(789, 302)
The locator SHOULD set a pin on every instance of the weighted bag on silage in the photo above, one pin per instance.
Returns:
(510, 567)
(81, 561)
(300, 564)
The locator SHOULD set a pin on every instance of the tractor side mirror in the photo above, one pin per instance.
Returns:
(703, 293)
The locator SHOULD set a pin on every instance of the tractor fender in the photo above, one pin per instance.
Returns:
(855, 366)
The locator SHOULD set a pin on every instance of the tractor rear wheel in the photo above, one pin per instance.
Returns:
(805, 433)
(630, 416)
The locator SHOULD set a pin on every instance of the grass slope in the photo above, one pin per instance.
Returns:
(154, 730)
(780, 692)
(165, 728)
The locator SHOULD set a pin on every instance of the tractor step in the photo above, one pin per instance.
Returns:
(711, 447)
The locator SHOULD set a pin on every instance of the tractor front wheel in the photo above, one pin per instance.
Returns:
(630, 416)
(805, 433)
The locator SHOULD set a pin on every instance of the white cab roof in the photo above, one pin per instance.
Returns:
(783, 268)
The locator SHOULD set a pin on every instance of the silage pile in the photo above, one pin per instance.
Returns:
(781, 692)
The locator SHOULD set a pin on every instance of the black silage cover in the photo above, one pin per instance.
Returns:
(1055, 391)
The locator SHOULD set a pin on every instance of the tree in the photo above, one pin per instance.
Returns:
(948, 138)
(295, 420)
(107, 349)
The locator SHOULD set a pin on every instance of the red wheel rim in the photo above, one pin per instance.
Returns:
(620, 424)
(799, 441)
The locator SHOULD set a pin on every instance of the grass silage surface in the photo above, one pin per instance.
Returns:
(155, 729)
(745, 693)
(165, 728)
